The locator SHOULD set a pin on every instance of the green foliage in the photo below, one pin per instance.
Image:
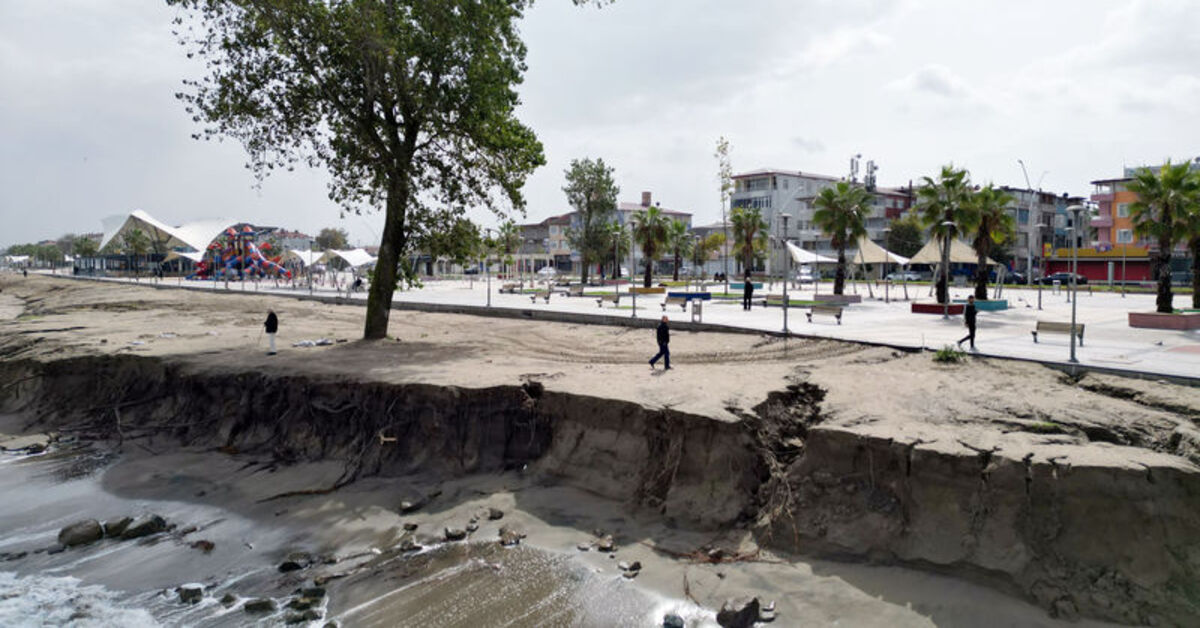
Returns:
(949, 354)
(679, 242)
(408, 105)
(333, 238)
(841, 213)
(135, 243)
(453, 237)
(1167, 201)
(592, 193)
(749, 234)
(617, 245)
(85, 246)
(994, 225)
(944, 208)
(906, 236)
(650, 231)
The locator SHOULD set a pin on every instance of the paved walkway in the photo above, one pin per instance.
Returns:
(1109, 340)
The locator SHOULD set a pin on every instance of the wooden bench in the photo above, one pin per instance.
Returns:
(574, 290)
(827, 310)
(540, 294)
(772, 299)
(1050, 327)
(510, 288)
(680, 301)
(615, 299)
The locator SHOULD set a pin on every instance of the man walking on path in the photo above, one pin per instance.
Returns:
(272, 326)
(969, 319)
(664, 339)
(747, 292)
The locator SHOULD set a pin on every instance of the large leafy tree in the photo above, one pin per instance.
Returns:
(749, 234)
(333, 238)
(408, 104)
(906, 236)
(994, 226)
(453, 237)
(1166, 199)
(679, 242)
(650, 229)
(86, 247)
(841, 212)
(944, 208)
(592, 193)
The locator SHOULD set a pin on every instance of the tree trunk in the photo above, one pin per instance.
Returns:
(839, 278)
(383, 285)
(678, 260)
(583, 268)
(1195, 246)
(981, 276)
(1162, 262)
(649, 271)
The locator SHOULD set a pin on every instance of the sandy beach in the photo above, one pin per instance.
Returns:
(780, 454)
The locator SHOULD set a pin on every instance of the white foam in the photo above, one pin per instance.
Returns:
(37, 601)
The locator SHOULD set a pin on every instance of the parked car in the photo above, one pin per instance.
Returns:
(903, 275)
(806, 274)
(1010, 277)
(1062, 278)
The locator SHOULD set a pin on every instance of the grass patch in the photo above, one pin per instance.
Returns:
(949, 354)
(1044, 427)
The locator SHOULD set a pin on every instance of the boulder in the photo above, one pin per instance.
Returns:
(302, 618)
(295, 562)
(114, 528)
(261, 605)
(606, 544)
(509, 536)
(300, 604)
(191, 593)
(228, 600)
(204, 546)
(738, 613)
(410, 526)
(81, 533)
(313, 593)
(495, 514)
(472, 527)
(408, 545)
(455, 534)
(144, 526)
(671, 620)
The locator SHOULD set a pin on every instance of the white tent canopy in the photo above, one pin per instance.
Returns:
(197, 256)
(353, 257)
(194, 235)
(308, 258)
(960, 253)
(801, 256)
(198, 235)
(871, 253)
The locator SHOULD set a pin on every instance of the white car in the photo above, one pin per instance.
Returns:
(903, 275)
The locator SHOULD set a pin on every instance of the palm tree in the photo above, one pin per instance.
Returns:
(841, 213)
(136, 243)
(618, 243)
(945, 211)
(508, 240)
(994, 225)
(650, 230)
(749, 234)
(1193, 244)
(679, 242)
(1165, 201)
(85, 247)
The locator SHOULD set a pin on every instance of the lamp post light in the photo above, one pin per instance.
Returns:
(947, 225)
(487, 266)
(1075, 231)
(886, 283)
(787, 270)
(632, 290)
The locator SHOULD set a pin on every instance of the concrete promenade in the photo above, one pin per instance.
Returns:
(1109, 341)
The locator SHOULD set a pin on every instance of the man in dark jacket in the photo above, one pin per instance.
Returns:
(969, 319)
(664, 339)
(272, 326)
(747, 292)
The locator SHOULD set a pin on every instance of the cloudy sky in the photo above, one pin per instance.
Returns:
(1077, 89)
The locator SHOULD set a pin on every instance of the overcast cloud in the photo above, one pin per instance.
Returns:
(89, 126)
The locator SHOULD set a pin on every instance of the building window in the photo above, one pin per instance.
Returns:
(1122, 210)
(1124, 236)
(751, 185)
(1022, 217)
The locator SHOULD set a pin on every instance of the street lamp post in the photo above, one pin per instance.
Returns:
(487, 267)
(946, 226)
(886, 283)
(1075, 231)
(787, 270)
(632, 290)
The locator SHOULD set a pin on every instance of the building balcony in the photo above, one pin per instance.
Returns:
(1103, 197)
(1101, 221)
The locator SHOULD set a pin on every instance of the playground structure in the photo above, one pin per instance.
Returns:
(235, 255)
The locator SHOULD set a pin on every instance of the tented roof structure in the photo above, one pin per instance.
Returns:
(871, 253)
(194, 235)
(960, 253)
(197, 257)
(308, 258)
(353, 257)
(801, 256)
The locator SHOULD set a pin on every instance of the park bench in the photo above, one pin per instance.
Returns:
(826, 310)
(772, 299)
(1050, 327)
(680, 301)
(615, 299)
(574, 290)
(540, 294)
(510, 288)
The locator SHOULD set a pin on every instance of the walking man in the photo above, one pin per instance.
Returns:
(272, 326)
(747, 292)
(969, 319)
(664, 339)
